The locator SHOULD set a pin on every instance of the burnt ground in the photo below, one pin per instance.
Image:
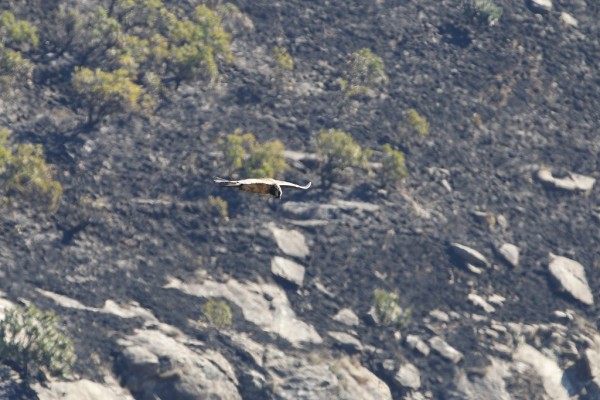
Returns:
(533, 83)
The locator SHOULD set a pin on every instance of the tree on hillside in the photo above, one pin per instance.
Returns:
(104, 93)
(24, 174)
(393, 166)
(31, 341)
(16, 38)
(339, 151)
(244, 154)
(17, 34)
(130, 53)
(365, 73)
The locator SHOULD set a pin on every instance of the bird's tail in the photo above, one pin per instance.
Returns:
(224, 182)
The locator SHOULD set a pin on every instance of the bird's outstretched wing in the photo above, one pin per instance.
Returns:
(226, 182)
(291, 185)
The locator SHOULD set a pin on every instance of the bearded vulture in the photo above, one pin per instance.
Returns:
(261, 186)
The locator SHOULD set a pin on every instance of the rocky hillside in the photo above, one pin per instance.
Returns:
(473, 275)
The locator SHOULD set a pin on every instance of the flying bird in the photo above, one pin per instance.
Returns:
(261, 186)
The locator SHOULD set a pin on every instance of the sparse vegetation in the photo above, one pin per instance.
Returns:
(31, 341)
(393, 167)
(265, 160)
(130, 52)
(283, 64)
(15, 33)
(16, 37)
(417, 122)
(24, 173)
(339, 151)
(195, 45)
(365, 73)
(218, 207)
(104, 93)
(217, 312)
(388, 310)
(243, 153)
(14, 68)
(484, 12)
(146, 36)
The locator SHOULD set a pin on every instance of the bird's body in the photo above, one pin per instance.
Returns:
(260, 185)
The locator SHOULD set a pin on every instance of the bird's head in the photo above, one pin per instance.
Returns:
(276, 191)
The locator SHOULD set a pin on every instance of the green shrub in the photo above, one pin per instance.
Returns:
(283, 63)
(242, 152)
(31, 341)
(16, 37)
(484, 12)
(265, 160)
(235, 148)
(219, 207)
(137, 13)
(417, 122)
(217, 312)
(24, 173)
(387, 309)
(17, 33)
(196, 44)
(104, 93)
(339, 151)
(147, 37)
(97, 36)
(393, 167)
(14, 68)
(365, 74)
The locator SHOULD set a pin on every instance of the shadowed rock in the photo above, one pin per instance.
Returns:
(570, 275)
(445, 350)
(408, 376)
(154, 365)
(265, 305)
(510, 253)
(290, 241)
(322, 378)
(469, 256)
(287, 269)
(572, 182)
(347, 317)
(83, 389)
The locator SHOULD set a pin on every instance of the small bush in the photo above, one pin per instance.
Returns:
(197, 44)
(219, 207)
(365, 74)
(14, 68)
(387, 309)
(339, 151)
(17, 33)
(417, 122)
(96, 35)
(484, 12)
(242, 152)
(104, 93)
(393, 167)
(24, 172)
(16, 37)
(217, 312)
(149, 37)
(31, 341)
(235, 148)
(266, 160)
(283, 62)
